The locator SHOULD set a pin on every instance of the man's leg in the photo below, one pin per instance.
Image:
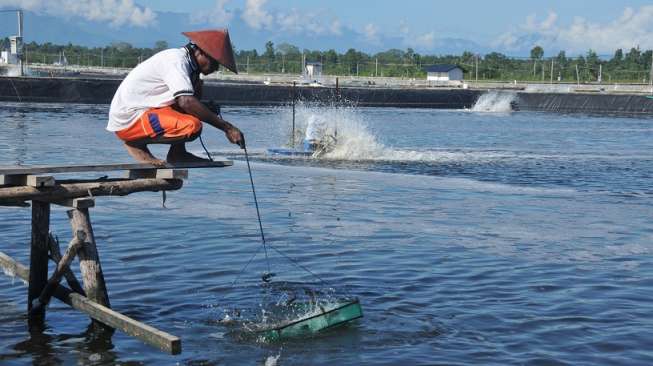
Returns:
(162, 126)
(179, 154)
(140, 152)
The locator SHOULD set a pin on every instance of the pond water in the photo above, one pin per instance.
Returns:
(469, 238)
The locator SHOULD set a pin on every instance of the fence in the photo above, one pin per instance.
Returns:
(551, 70)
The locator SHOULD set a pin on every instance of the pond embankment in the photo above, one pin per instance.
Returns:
(101, 90)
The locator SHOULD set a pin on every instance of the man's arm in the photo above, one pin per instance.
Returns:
(193, 106)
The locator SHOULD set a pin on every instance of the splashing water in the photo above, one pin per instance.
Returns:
(352, 139)
(494, 102)
(342, 126)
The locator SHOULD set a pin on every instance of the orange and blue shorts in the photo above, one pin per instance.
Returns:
(162, 122)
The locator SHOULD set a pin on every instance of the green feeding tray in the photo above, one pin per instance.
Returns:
(321, 318)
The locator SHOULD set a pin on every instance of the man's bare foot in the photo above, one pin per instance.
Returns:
(142, 153)
(184, 157)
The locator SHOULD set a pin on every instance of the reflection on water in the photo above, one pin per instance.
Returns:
(470, 238)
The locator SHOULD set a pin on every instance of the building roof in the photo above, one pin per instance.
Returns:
(441, 68)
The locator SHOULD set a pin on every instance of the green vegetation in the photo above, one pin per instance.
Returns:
(633, 66)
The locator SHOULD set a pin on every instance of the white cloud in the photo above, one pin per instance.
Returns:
(256, 16)
(631, 29)
(291, 21)
(116, 12)
(371, 33)
(425, 41)
(218, 15)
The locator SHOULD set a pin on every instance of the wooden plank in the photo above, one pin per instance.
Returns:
(158, 173)
(38, 261)
(76, 190)
(13, 268)
(84, 202)
(144, 332)
(27, 180)
(40, 181)
(40, 169)
(162, 340)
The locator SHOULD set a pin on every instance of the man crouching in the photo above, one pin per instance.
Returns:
(157, 103)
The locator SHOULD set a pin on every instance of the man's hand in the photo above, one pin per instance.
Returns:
(235, 136)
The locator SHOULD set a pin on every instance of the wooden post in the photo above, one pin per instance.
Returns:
(60, 270)
(38, 262)
(89, 260)
(55, 255)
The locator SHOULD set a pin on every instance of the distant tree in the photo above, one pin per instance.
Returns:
(269, 51)
(537, 52)
(331, 56)
(287, 49)
(632, 58)
(119, 46)
(160, 45)
(409, 56)
(592, 62)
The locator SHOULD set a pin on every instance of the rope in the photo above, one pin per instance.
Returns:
(260, 225)
(205, 150)
(258, 214)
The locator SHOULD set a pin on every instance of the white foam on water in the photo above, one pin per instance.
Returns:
(494, 102)
(272, 360)
(347, 129)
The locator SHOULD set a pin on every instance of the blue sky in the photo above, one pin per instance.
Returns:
(474, 19)
(465, 17)
(508, 26)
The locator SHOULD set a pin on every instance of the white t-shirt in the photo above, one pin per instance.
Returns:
(154, 83)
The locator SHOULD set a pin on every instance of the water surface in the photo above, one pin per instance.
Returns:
(470, 238)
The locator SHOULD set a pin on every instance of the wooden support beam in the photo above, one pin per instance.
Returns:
(62, 267)
(84, 202)
(55, 255)
(94, 189)
(37, 181)
(13, 268)
(38, 263)
(144, 332)
(89, 259)
(158, 173)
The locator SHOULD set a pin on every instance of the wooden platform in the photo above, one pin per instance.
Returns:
(52, 169)
(22, 184)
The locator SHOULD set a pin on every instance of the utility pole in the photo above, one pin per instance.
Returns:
(551, 70)
(543, 71)
(247, 65)
(577, 76)
(476, 67)
(651, 74)
(600, 73)
(376, 67)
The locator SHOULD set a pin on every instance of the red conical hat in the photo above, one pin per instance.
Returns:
(217, 44)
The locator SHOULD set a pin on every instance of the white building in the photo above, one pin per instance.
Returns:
(7, 57)
(443, 72)
(313, 70)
